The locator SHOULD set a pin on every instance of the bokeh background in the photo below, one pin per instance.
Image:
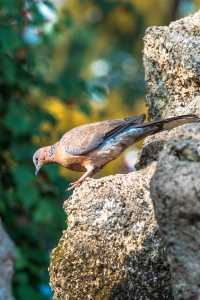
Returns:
(63, 63)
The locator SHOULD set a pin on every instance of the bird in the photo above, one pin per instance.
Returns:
(89, 147)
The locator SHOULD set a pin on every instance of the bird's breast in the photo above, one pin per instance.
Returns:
(69, 161)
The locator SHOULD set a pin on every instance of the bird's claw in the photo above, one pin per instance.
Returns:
(76, 184)
(73, 185)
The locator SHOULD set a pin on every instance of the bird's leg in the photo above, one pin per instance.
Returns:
(90, 171)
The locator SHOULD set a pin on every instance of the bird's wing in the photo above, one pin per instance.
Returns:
(83, 139)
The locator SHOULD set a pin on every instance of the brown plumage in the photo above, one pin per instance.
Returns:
(89, 147)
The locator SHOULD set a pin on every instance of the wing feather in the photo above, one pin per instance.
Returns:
(83, 139)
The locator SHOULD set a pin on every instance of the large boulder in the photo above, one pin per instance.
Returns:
(111, 249)
(172, 71)
(175, 190)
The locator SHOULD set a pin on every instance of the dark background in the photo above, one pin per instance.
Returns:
(62, 64)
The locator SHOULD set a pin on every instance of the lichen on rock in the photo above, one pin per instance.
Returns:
(172, 67)
(175, 190)
(111, 249)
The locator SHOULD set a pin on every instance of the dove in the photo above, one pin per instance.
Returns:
(88, 148)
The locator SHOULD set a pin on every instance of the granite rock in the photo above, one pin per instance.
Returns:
(172, 67)
(7, 257)
(172, 71)
(111, 249)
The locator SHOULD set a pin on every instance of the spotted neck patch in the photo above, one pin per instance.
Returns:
(52, 150)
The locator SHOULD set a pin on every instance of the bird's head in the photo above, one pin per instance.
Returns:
(40, 158)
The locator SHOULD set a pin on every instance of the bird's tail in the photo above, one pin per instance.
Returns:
(169, 123)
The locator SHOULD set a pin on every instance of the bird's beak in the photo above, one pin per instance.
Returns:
(37, 170)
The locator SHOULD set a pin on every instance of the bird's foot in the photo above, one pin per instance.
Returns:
(73, 185)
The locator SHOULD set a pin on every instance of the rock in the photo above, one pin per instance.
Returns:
(172, 67)
(153, 145)
(175, 190)
(111, 249)
(7, 256)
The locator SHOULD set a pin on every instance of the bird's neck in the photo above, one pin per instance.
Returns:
(51, 153)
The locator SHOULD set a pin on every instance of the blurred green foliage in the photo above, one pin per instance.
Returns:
(30, 208)
(45, 54)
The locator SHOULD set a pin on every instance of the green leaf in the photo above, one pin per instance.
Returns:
(24, 175)
(44, 212)
(21, 263)
(27, 292)
(9, 39)
(18, 119)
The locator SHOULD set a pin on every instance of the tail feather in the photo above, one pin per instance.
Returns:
(172, 122)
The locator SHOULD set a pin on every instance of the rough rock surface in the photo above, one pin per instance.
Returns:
(111, 249)
(172, 68)
(7, 255)
(175, 189)
(118, 225)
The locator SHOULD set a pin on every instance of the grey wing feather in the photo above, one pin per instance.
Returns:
(85, 138)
